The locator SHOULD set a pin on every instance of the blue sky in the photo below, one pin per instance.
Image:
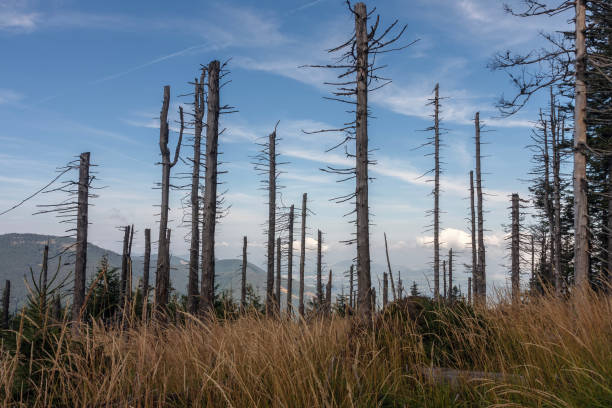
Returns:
(88, 76)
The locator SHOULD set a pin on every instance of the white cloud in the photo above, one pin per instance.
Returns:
(9, 96)
(14, 20)
(311, 245)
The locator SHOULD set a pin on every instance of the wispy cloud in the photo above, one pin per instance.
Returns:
(9, 96)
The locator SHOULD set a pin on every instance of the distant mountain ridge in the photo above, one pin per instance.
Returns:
(20, 252)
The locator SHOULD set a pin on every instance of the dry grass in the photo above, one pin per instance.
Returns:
(547, 353)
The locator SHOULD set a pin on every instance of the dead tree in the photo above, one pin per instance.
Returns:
(80, 264)
(386, 289)
(558, 124)
(207, 288)
(469, 289)
(124, 262)
(194, 248)
(450, 274)
(444, 295)
(6, 296)
(303, 255)
(351, 287)
(319, 269)
(358, 59)
(277, 296)
(244, 270)
(389, 267)
(328, 294)
(290, 263)
(516, 294)
(475, 273)
(482, 275)
(146, 265)
(162, 277)
(129, 265)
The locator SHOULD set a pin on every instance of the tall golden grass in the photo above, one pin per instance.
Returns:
(546, 352)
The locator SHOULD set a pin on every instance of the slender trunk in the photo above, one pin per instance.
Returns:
(444, 279)
(124, 262)
(129, 264)
(482, 277)
(364, 302)
(557, 202)
(436, 212)
(6, 299)
(271, 220)
(389, 267)
(80, 264)
(319, 269)
(352, 287)
(207, 288)
(277, 296)
(548, 206)
(516, 294)
(581, 244)
(469, 289)
(450, 274)
(328, 293)
(532, 283)
(45, 269)
(194, 248)
(385, 289)
(244, 270)
(147, 267)
(302, 255)
(290, 263)
(474, 247)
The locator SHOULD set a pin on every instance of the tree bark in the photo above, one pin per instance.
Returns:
(80, 264)
(385, 289)
(6, 299)
(482, 276)
(515, 276)
(469, 289)
(271, 220)
(436, 212)
(328, 294)
(147, 265)
(352, 287)
(444, 295)
(319, 269)
(124, 262)
(277, 296)
(194, 248)
(244, 270)
(581, 244)
(450, 274)
(207, 289)
(302, 255)
(556, 200)
(473, 233)
(290, 263)
(364, 302)
(389, 267)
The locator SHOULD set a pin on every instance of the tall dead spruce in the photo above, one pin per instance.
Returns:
(515, 249)
(207, 286)
(302, 254)
(80, 263)
(482, 279)
(194, 248)
(357, 57)
(290, 262)
(320, 297)
(473, 236)
(243, 274)
(162, 277)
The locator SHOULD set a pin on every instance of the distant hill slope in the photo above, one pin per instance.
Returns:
(20, 252)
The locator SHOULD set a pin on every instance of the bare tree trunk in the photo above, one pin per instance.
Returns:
(162, 278)
(389, 267)
(352, 287)
(277, 296)
(319, 269)
(6, 299)
(147, 267)
(244, 269)
(385, 289)
(124, 262)
(444, 279)
(129, 264)
(516, 290)
(364, 302)
(328, 293)
(556, 201)
(581, 244)
(482, 276)
(474, 247)
(271, 220)
(80, 264)
(302, 255)
(194, 248)
(290, 263)
(207, 288)
(469, 289)
(533, 272)
(45, 269)
(547, 203)
(436, 211)
(450, 274)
